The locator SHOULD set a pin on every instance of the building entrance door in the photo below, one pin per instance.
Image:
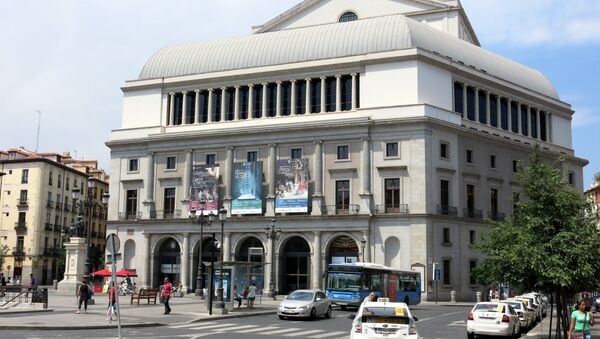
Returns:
(296, 261)
(169, 262)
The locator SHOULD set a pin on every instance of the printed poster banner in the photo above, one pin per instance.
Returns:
(247, 188)
(205, 184)
(292, 186)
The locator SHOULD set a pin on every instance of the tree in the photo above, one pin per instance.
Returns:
(550, 244)
(3, 253)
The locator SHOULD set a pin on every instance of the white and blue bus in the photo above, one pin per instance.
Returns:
(349, 284)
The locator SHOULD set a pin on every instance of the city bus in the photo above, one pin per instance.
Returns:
(349, 284)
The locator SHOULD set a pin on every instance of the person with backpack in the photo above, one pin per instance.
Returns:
(83, 294)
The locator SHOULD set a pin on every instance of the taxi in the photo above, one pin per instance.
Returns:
(493, 319)
(384, 319)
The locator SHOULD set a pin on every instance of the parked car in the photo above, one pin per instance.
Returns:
(493, 319)
(305, 304)
(537, 300)
(525, 315)
(531, 304)
(384, 319)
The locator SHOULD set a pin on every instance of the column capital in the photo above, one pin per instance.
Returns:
(272, 145)
(223, 89)
(323, 78)
(197, 91)
(365, 234)
(237, 86)
(353, 74)
(184, 92)
(228, 234)
(293, 81)
(186, 235)
(279, 82)
(338, 75)
(364, 139)
(251, 85)
(211, 89)
(318, 142)
(189, 150)
(264, 83)
(172, 93)
(147, 235)
(151, 154)
(230, 147)
(308, 79)
(317, 233)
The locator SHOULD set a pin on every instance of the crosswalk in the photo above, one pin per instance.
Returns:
(275, 330)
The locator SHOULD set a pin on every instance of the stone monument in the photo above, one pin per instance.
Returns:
(76, 255)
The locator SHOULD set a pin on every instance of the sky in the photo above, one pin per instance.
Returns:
(69, 58)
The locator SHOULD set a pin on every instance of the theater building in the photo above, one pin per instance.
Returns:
(377, 122)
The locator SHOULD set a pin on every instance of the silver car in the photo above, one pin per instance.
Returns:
(307, 304)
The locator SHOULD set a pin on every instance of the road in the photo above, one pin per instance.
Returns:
(435, 322)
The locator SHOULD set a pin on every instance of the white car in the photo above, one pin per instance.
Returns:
(537, 311)
(525, 315)
(304, 304)
(493, 319)
(383, 319)
(537, 300)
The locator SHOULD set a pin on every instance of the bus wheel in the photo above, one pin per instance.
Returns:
(406, 300)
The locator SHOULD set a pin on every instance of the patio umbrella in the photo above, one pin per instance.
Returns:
(102, 273)
(126, 273)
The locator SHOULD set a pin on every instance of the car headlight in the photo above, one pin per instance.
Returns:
(305, 307)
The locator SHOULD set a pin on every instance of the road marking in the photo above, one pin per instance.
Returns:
(210, 326)
(296, 334)
(328, 334)
(258, 329)
(439, 316)
(239, 328)
(280, 331)
(458, 323)
(192, 324)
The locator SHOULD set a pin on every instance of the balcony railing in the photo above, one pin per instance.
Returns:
(22, 202)
(342, 209)
(67, 207)
(18, 251)
(57, 228)
(497, 216)
(94, 234)
(472, 213)
(21, 226)
(49, 227)
(174, 214)
(390, 209)
(58, 205)
(50, 204)
(130, 215)
(447, 210)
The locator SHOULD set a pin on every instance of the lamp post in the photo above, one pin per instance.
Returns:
(201, 220)
(220, 301)
(363, 243)
(272, 235)
(86, 204)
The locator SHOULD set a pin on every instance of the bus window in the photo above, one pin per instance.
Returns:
(376, 282)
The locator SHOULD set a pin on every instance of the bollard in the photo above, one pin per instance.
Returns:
(55, 284)
(453, 297)
(478, 297)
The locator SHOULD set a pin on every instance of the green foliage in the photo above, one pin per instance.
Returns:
(551, 244)
(95, 258)
(3, 253)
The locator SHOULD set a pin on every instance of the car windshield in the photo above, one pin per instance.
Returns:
(515, 304)
(302, 296)
(487, 308)
(341, 281)
(395, 315)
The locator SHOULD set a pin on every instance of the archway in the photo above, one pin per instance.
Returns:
(129, 255)
(251, 249)
(208, 248)
(392, 252)
(343, 250)
(169, 262)
(295, 265)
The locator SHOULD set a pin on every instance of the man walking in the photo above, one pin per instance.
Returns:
(32, 287)
(166, 294)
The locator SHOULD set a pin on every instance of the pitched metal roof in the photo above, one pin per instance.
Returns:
(361, 37)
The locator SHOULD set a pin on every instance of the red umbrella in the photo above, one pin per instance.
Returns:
(102, 273)
(126, 273)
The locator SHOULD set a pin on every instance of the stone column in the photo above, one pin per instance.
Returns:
(197, 107)
(227, 247)
(488, 109)
(519, 120)
(148, 261)
(228, 180)
(465, 100)
(354, 94)
(271, 180)
(317, 198)
(315, 261)
(338, 92)
(184, 109)
(538, 126)
(278, 100)
(223, 104)
(171, 109)
(509, 110)
(528, 119)
(236, 111)
(323, 95)
(547, 121)
(294, 98)
(185, 262)
(149, 186)
(367, 254)
(264, 100)
(268, 267)
(210, 105)
(307, 109)
(365, 177)
(251, 101)
(187, 178)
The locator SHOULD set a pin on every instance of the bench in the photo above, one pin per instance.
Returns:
(149, 294)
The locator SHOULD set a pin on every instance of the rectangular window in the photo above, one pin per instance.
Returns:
(257, 101)
(50, 179)
(524, 120)
(296, 153)
(447, 273)
(514, 116)
(446, 235)
(342, 196)
(58, 183)
(49, 200)
(190, 108)
(244, 102)
(271, 100)
(133, 165)
(391, 150)
(171, 163)
(330, 94)
(342, 153)
(300, 97)
(25, 176)
(216, 113)
(178, 109)
(131, 204)
(534, 124)
(515, 166)
(21, 243)
(251, 156)
(504, 114)
(444, 193)
(494, 201)
(458, 98)
(211, 159)
(203, 105)
(67, 184)
(471, 103)
(492, 161)
(23, 197)
(230, 101)
(494, 111)
(482, 97)
(470, 198)
(469, 156)
(22, 218)
(571, 178)
(444, 152)
(472, 267)
(315, 95)
(286, 98)
(392, 195)
(472, 239)
(169, 203)
(543, 127)
(346, 93)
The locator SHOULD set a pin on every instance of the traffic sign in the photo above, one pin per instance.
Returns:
(113, 244)
(437, 274)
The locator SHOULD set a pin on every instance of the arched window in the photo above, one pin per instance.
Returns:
(348, 16)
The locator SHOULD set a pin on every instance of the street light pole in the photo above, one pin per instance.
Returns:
(363, 243)
(272, 235)
(202, 221)
(220, 300)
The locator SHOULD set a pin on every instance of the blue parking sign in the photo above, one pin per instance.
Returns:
(437, 274)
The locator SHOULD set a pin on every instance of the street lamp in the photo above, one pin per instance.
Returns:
(86, 204)
(220, 301)
(272, 234)
(363, 243)
(201, 220)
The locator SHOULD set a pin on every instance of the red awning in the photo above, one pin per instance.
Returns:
(126, 273)
(102, 273)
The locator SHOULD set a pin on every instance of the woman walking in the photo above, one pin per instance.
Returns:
(166, 294)
(581, 321)
(83, 295)
(112, 301)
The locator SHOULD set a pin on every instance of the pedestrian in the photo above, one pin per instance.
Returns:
(245, 294)
(166, 294)
(372, 297)
(2, 279)
(491, 295)
(32, 287)
(251, 295)
(236, 296)
(581, 321)
(83, 295)
(112, 301)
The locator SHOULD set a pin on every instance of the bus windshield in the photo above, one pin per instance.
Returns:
(342, 281)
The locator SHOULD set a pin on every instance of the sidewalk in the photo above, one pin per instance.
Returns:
(61, 313)
(540, 331)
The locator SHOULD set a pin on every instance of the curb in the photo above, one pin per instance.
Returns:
(79, 328)
(25, 312)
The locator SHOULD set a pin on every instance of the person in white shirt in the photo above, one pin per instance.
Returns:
(251, 295)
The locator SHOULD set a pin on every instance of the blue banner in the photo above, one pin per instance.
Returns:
(247, 188)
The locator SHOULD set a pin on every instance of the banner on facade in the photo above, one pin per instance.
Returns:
(247, 188)
(292, 186)
(205, 185)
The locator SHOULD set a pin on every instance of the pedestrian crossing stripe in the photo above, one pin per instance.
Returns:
(192, 325)
(260, 330)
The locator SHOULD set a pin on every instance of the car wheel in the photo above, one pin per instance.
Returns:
(281, 317)
(328, 314)
(313, 314)
(470, 335)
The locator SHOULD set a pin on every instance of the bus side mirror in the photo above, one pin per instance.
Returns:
(351, 316)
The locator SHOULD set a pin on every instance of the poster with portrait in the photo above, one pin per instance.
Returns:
(205, 186)
(291, 185)
(247, 188)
